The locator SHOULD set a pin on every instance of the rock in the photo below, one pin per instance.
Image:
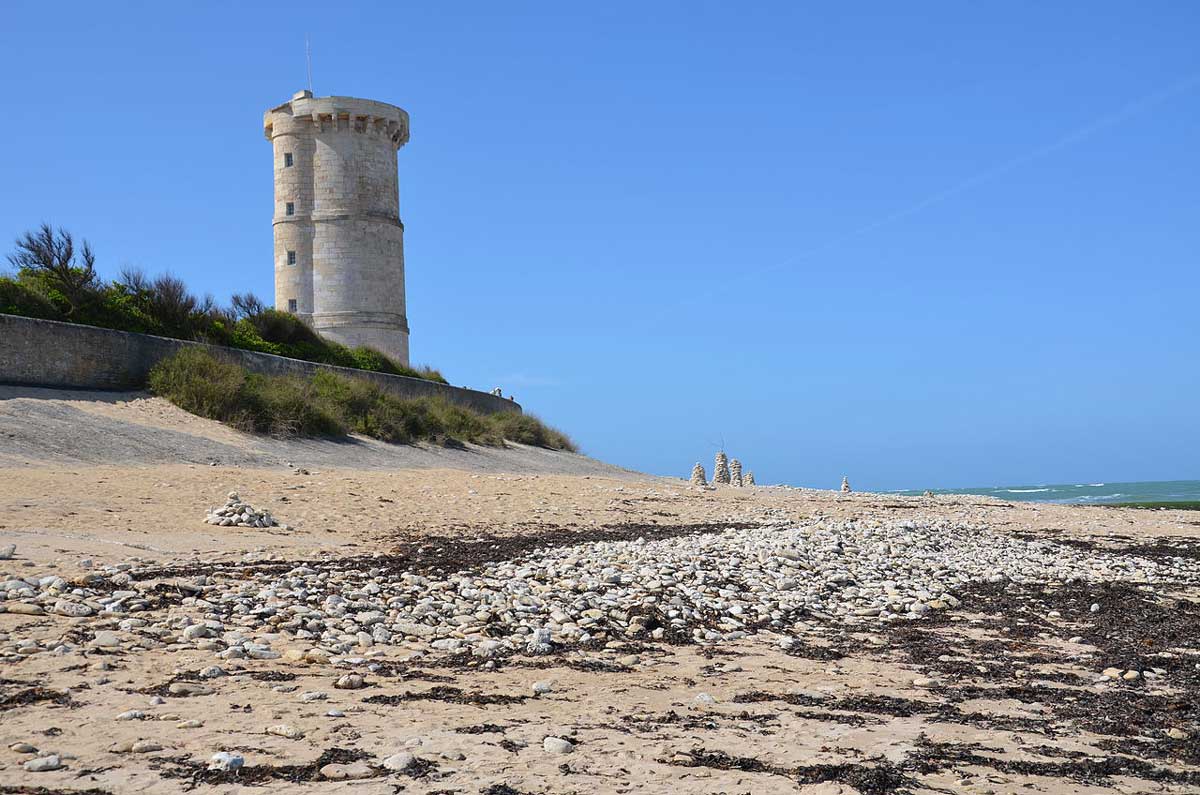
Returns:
(44, 764)
(350, 772)
(188, 724)
(22, 748)
(104, 639)
(23, 609)
(629, 660)
(1095, 608)
(1177, 734)
(145, 747)
(71, 609)
(132, 714)
(557, 745)
(8, 551)
(286, 731)
(212, 672)
(924, 681)
(539, 642)
(349, 682)
(1131, 675)
(542, 688)
(226, 761)
(189, 689)
(313, 695)
(400, 762)
(704, 698)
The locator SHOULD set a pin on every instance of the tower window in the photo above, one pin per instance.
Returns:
(291, 304)
(291, 209)
(291, 258)
(287, 159)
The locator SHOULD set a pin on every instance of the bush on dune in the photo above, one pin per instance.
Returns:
(277, 405)
(326, 404)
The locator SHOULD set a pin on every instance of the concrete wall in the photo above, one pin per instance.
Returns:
(65, 355)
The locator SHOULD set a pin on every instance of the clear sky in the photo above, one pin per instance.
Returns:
(918, 244)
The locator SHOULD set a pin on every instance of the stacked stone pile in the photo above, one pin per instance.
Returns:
(748, 480)
(735, 472)
(236, 513)
(721, 469)
(698, 478)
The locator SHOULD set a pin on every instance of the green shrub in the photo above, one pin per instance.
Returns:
(283, 328)
(18, 299)
(197, 382)
(327, 404)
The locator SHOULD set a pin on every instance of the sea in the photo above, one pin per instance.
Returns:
(1085, 493)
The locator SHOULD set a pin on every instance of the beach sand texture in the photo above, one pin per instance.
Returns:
(1005, 692)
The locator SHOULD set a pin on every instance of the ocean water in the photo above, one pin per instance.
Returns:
(1085, 493)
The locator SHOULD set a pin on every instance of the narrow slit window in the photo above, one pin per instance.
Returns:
(291, 208)
(291, 258)
(287, 159)
(291, 304)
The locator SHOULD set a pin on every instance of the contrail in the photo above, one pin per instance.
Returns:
(1091, 128)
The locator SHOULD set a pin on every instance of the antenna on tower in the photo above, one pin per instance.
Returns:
(308, 61)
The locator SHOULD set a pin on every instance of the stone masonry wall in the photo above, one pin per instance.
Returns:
(68, 356)
(335, 164)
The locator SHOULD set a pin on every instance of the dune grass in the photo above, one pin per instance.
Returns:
(330, 405)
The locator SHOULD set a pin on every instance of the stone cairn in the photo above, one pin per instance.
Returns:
(698, 478)
(735, 472)
(721, 468)
(748, 480)
(845, 485)
(236, 513)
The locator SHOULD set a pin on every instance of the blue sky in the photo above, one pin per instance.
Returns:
(921, 244)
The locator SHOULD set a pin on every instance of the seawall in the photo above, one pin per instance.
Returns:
(49, 353)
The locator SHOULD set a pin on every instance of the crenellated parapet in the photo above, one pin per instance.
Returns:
(306, 114)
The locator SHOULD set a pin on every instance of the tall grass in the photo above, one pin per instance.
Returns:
(330, 405)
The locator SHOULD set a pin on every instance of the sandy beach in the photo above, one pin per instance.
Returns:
(137, 641)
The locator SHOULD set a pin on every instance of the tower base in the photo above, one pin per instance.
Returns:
(383, 331)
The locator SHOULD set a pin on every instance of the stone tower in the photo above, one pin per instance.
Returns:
(339, 242)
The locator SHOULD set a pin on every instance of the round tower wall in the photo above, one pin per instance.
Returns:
(344, 230)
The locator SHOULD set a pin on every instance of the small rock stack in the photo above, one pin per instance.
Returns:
(721, 468)
(748, 480)
(698, 478)
(236, 513)
(735, 472)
